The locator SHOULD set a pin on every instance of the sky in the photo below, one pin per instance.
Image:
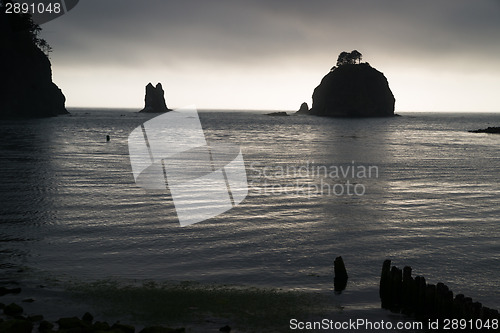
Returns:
(439, 55)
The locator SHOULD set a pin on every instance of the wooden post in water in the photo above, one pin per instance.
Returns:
(396, 288)
(399, 292)
(385, 285)
(430, 301)
(407, 292)
(340, 279)
(444, 301)
(420, 285)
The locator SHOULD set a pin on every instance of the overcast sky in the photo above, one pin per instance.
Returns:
(437, 55)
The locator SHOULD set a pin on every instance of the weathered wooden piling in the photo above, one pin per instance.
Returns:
(340, 279)
(420, 286)
(459, 306)
(408, 292)
(396, 288)
(430, 301)
(400, 292)
(444, 301)
(385, 285)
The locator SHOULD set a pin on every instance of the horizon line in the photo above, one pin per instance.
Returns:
(257, 110)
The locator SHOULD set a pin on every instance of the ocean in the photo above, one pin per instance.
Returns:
(417, 189)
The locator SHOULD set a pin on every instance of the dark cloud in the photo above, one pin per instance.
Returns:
(129, 33)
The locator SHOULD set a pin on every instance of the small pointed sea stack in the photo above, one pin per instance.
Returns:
(155, 99)
(304, 108)
(340, 279)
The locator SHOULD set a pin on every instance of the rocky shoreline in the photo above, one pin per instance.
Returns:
(16, 322)
(109, 306)
(14, 319)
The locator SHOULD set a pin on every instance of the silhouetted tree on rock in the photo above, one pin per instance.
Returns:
(26, 86)
(346, 58)
(24, 23)
(355, 55)
(343, 59)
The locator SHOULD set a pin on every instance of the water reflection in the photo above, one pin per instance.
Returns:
(433, 204)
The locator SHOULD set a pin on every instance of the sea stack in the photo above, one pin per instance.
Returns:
(304, 108)
(353, 89)
(154, 101)
(26, 87)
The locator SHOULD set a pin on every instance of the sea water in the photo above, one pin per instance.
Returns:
(70, 209)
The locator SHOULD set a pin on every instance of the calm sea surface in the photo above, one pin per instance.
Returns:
(70, 208)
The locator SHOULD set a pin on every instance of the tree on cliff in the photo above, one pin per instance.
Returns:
(26, 86)
(355, 55)
(24, 23)
(349, 58)
(343, 59)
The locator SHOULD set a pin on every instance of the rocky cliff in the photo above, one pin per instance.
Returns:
(353, 90)
(154, 101)
(26, 87)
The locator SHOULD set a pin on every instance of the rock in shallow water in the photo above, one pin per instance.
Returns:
(277, 114)
(13, 310)
(161, 329)
(491, 130)
(16, 326)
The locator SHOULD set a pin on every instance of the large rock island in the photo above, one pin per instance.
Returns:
(26, 87)
(154, 101)
(353, 90)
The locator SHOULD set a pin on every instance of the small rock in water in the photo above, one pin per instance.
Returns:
(161, 329)
(35, 318)
(101, 326)
(16, 326)
(70, 323)
(45, 326)
(13, 310)
(304, 108)
(281, 113)
(123, 328)
(226, 329)
(4, 291)
(88, 318)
